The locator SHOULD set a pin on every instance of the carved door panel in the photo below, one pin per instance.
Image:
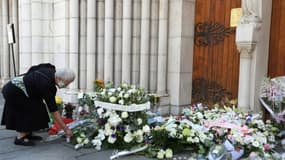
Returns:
(216, 59)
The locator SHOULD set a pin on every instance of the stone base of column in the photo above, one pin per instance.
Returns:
(3, 81)
(164, 107)
(177, 110)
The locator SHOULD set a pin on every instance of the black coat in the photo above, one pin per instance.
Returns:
(26, 114)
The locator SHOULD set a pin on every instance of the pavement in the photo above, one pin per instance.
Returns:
(55, 150)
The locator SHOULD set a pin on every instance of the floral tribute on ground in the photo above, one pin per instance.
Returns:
(119, 118)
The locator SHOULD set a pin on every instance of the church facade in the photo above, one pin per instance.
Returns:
(150, 43)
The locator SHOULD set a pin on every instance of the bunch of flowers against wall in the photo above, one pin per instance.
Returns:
(120, 118)
(272, 97)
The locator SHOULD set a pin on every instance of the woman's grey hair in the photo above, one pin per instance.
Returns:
(65, 74)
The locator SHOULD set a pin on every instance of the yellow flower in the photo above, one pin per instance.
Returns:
(58, 100)
(186, 132)
(99, 83)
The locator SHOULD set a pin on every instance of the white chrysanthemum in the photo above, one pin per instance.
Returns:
(107, 114)
(101, 134)
(79, 140)
(97, 143)
(108, 131)
(121, 101)
(126, 95)
(127, 128)
(124, 85)
(128, 137)
(173, 133)
(256, 144)
(139, 120)
(82, 135)
(160, 154)
(139, 132)
(202, 137)
(189, 139)
(168, 153)
(196, 140)
(114, 120)
(113, 99)
(200, 115)
(139, 138)
(146, 129)
(86, 141)
(100, 112)
(121, 94)
(112, 139)
(124, 115)
(133, 90)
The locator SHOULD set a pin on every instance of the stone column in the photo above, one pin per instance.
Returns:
(100, 39)
(91, 44)
(83, 36)
(126, 52)
(153, 45)
(5, 61)
(15, 20)
(25, 35)
(1, 43)
(136, 41)
(60, 34)
(109, 39)
(252, 38)
(37, 37)
(145, 32)
(162, 47)
(180, 53)
(118, 41)
(74, 40)
(48, 31)
(245, 71)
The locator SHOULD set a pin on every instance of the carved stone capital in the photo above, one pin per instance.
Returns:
(245, 49)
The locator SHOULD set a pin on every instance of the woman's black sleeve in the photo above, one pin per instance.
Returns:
(49, 97)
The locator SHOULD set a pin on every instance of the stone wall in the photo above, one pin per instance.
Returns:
(143, 42)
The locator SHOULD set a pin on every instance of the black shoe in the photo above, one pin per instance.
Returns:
(23, 141)
(30, 136)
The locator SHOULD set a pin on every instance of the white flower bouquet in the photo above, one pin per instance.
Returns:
(272, 97)
(124, 95)
(121, 115)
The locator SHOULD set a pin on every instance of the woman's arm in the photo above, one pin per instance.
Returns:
(59, 120)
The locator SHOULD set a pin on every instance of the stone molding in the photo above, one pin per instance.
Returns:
(246, 49)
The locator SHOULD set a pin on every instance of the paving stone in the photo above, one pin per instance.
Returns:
(50, 151)
(7, 134)
(105, 155)
(8, 146)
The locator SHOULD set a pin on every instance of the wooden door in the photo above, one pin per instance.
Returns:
(216, 65)
(276, 63)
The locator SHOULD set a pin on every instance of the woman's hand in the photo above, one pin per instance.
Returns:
(59, 120)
